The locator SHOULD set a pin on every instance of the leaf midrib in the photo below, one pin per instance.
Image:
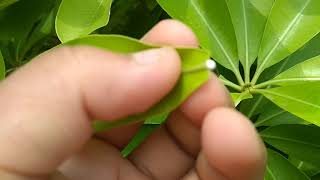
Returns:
(295, 20)
(290, 140)
(205, 21)
(269, 117)
(255, 106)
(246, 33)
(291, 98)
(271, 173)
(94, 14)
(297, 79)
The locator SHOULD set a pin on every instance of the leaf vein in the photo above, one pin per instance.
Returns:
(292, 98)
(269, 117)
(215, 36)
(291, 140)
(246, 33)
(295, 20)
(271, 173)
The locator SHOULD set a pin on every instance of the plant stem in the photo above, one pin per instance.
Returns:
(231, 84)
(270, 82)
(247, 75)
(256, 91)
(264, 84)
(256, 76)
(239, 77)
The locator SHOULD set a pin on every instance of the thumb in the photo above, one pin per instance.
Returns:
(48, 104)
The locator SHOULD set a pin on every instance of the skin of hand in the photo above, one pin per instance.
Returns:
(48, 104)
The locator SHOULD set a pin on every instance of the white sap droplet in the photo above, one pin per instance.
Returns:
(211, 64)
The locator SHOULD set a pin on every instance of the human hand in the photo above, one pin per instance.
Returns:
(48, 104)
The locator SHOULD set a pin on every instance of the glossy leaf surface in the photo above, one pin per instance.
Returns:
(249, 18)
(211, 22)
(301, 100)
(77, 18)
(274, 115)
(308, 51)
(279, 168)
(188, 82)
(307, 71)
(300, 141)
(291, 24)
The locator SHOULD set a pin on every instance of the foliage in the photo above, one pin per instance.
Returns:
(190, 80)
(267, 53)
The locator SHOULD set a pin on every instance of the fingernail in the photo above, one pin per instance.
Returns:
(150, 57)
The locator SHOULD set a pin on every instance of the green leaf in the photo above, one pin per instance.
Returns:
(6, 3)
(114, 43)
(18, 22)
(249, 18)
(144, 132)
(158, 119)
(300, 141)
(2, 67)
(254, 106)
(301, 100)
(307, 168)
(42, 31)
(191, 79)
(307, 71)
(273, 116)
(131, 25)
(310, 50)
(78, 18)
(279, 168)
(211, 22)
(292, 23)
(238, 97)
(150, 125)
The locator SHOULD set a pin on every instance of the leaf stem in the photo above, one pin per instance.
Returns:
(247, 75)
(231, 84)
(256, 75)
(264, 84)
(256, 91)
(239, 77)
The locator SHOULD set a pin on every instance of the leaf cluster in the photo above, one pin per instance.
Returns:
(272, 49)
(268, 54)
